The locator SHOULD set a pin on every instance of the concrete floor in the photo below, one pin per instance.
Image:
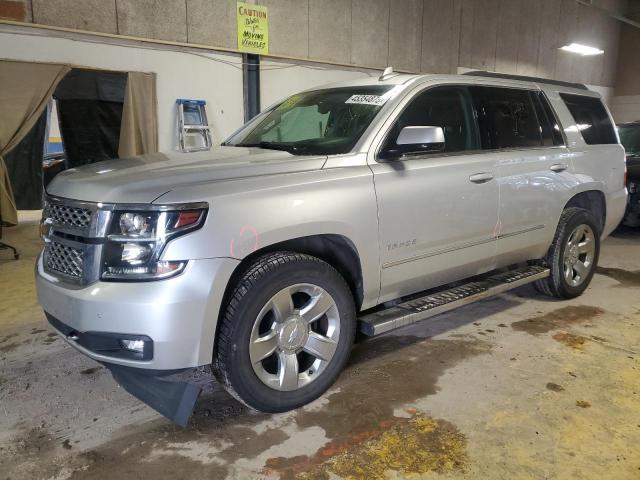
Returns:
(515, 387)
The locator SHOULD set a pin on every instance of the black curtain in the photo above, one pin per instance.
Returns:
(24, 167)
(90, 114)
(90, 130)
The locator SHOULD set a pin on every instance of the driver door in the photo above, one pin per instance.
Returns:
(438, 211)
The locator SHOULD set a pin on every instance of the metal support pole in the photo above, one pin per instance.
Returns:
(251, 85)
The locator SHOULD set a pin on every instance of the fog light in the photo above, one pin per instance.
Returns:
(133, 345)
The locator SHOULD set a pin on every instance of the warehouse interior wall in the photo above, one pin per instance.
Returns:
(431, 36)
(320, 41)
(626, 103)
(279, 80)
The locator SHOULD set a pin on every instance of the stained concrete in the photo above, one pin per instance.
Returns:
(330, 30)
(518, 386)
(370, 32)
(17, 10)
(92, 15)
(405, 34)
(288, 27)
(440, 36)
(160, 19)
(212, 22)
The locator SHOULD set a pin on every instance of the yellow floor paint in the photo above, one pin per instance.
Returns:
(416, 446)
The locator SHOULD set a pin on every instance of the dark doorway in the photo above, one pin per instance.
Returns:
(89, 104)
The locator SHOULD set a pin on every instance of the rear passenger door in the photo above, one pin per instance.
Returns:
(532, 167)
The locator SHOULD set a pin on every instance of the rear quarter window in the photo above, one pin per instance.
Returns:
(591, 119)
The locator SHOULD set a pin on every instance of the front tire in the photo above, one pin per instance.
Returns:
(573, 255)
(286, 333)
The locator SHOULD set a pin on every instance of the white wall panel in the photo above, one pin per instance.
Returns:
(180, 75)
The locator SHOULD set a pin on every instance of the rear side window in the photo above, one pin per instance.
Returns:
(549, 125)
(506, 118)
(591, 119)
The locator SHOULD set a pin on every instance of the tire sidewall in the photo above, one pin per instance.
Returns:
(240, 372)
(582, 217)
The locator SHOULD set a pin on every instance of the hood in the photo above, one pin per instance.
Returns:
(143, 179)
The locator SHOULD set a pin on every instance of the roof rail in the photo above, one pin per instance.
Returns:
(481, 73)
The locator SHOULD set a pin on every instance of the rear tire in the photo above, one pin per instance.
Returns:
(286, 333)
(573, 255)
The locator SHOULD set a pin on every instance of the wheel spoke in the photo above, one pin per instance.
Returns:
(581, 269)
(287, 371)
(263, 347)
(320, 346)
(318, 306)
(577, 235)
(282, 304)
(586, 246)
(568, 272)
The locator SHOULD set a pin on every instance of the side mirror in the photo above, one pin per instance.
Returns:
(415, 140)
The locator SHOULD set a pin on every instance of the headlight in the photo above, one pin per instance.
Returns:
(136, 240)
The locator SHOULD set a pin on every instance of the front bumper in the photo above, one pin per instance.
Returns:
(179, 315)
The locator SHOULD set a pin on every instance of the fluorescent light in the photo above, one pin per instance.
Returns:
(583, 50)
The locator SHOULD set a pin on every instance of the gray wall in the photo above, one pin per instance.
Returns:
(626, 103)
(628, 73)
(435, 36)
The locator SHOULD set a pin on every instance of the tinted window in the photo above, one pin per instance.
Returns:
(549, 125)
(591, 118)
(506, 117)
(446, 107)
(630, 138)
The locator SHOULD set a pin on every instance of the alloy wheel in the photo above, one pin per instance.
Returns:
(294, 337)
(579, 253)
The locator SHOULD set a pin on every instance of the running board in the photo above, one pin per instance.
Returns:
(421, 308)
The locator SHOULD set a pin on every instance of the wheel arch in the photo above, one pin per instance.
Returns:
(593, 201)
(337, 250)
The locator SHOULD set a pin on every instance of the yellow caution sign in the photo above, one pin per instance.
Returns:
(253, 28)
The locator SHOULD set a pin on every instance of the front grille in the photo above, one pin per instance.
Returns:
(64, 259)
(68, 216)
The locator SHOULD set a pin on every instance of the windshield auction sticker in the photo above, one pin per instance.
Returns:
(366, 99)
(253, 28)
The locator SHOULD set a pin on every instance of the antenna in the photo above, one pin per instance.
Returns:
(388, 72)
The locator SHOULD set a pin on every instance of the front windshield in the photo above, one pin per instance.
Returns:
(320, 122)
(630, 138)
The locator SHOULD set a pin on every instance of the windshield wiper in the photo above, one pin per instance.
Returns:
(293, 149)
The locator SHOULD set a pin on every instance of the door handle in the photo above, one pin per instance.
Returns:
(558, 167)
(481, 177)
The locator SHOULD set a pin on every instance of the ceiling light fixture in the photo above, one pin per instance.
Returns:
(583, 50)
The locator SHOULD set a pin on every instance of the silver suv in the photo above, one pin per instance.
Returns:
(345, 208)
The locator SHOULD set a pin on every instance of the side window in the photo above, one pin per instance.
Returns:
(506, 117)
(591, 118)
(446, 107)
(549, 124)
